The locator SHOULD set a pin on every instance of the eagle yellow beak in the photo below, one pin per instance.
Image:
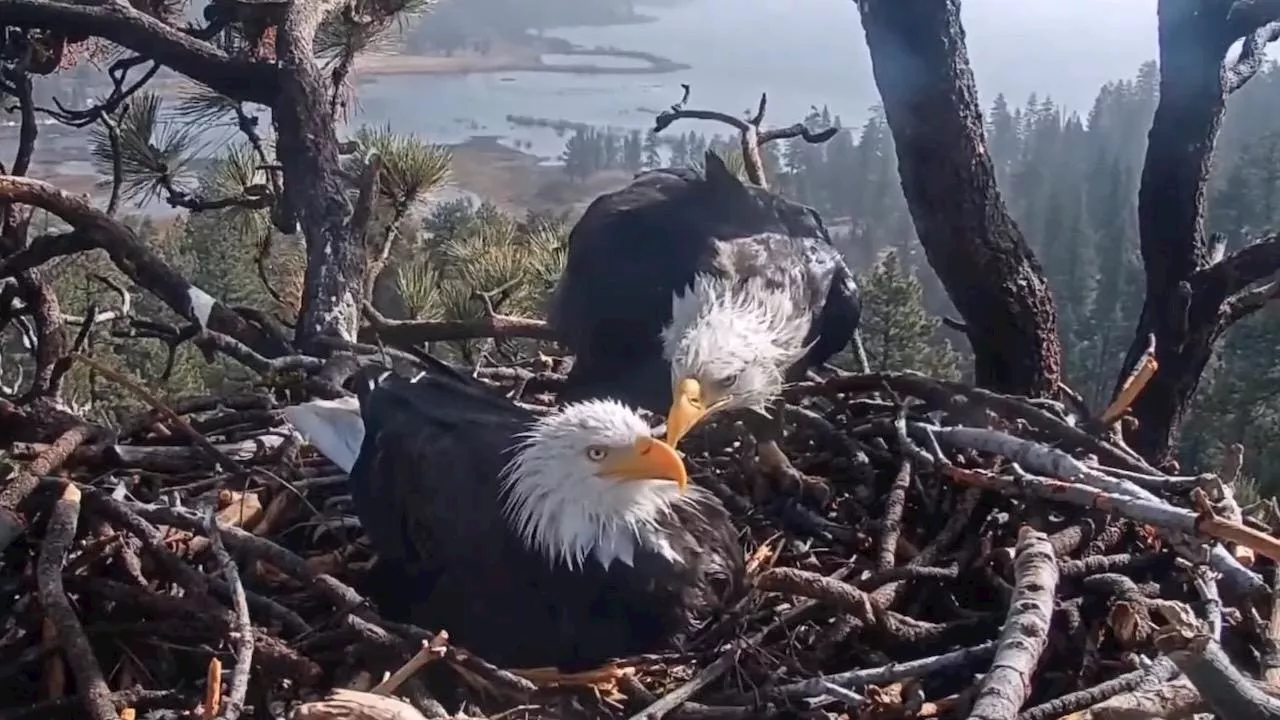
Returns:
(648, 459)
(688, 408)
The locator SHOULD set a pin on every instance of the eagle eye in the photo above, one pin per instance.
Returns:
(595, 453)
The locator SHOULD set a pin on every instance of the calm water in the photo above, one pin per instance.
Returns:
(814, 54)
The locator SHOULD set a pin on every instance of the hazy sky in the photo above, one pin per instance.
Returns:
(1017, 44)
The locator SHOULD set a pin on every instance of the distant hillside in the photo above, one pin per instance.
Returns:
(459, 24)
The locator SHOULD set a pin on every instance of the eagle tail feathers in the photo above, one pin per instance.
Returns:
(334, 427)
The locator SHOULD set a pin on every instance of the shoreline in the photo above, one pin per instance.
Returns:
(512, 179)
(524, 56)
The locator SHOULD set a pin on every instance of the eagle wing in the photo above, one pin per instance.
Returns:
(426, 484)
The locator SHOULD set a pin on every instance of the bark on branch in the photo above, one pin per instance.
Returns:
(1191, 296)
(95, 229)
(750, 134)
(1025, 634)
(308, 149)
(921, 68)
(123, 25)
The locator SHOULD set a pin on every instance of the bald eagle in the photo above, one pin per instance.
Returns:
(689, 294)
(553, 542)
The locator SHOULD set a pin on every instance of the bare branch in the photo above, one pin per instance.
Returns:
(1253, 54)
(121, 24)
(408, 333)
(96, 229)
(1247, 265)
(752, 137)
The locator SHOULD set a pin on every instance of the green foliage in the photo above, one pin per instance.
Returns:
(366, 26)
(897, 331)
(475, 258)
(411, 168)
(732, 157)
(156, 154)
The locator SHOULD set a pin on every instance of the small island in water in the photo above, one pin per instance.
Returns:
(486, 36)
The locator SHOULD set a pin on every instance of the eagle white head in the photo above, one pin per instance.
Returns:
(729, 343)
(590, 479)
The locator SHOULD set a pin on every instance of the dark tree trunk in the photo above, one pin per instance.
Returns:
(922, 70)
(1191, 296)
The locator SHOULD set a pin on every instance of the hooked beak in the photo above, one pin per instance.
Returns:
(688, 408)
(648, 459)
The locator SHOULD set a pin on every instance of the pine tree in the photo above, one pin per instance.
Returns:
(652, 155)
(897, 331)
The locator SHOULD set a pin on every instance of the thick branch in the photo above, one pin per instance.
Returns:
(1025, 634)
(121, 24)
(412, 332)
(1253, 54)
(129, 254)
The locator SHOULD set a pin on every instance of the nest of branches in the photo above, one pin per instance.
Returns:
(956, 553)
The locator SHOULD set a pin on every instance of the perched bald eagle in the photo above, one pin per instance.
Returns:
(688, 294)
(560, 540)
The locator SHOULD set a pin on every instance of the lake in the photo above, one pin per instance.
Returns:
(802, 52)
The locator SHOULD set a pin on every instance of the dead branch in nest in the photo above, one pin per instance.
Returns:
(93, 690)
(1026, 631)
(243, 628)
(18, 488)
(1227, 691)
(411, 333)
(750, 134)
(1133, 384)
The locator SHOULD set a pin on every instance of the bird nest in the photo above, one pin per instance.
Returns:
(953, 553)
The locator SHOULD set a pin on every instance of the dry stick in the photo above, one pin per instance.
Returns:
(892, 523)
(893, 672)
(712, 672)
(431, 650)
(1054, 462)
(182, 573)
(1227, 691)
(12, 524)
(212, 690)
(180, 422)
(1133, 384)
(1025, 633)
(243, 626)
(751, 137)
(218, 456)
(1143, 511)
(59, 535)
(1161, 671)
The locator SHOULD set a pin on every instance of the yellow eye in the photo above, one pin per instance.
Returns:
(731, 380)
(596, 454)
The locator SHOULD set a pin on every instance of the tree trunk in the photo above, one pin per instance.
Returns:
(307, 146)
(922, 70)
(1191, 296)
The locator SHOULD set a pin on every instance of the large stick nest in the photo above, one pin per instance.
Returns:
(958, 554)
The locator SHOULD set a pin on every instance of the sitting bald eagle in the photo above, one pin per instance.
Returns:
(688, 294)
(560, 540)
